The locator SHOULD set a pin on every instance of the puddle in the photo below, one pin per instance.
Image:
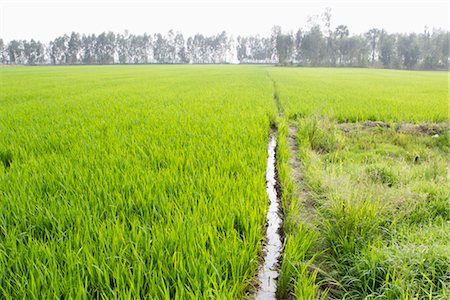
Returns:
(269, 271)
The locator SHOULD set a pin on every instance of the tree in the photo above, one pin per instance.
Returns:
(180, 48)
(105, 48)
(408, 50)
(276, 31)
(190, 50)
(171, 49)
(58, 50)
(298, 45)
(148, 50)
(386, 47)
(241, 50)
(159, 48)
(312, 46)
(220, 47)
(285, 48)
(3, 59)
(260, 53)
(88, 49)
(33, 52)
(14, 51)
(73, 48)
(428, 56)
(137, 49)
(268, 50)
(440, 46)
(344, 44)
(122, 48)
(330, 47)
(199, 49)
(360, 51)
(372, 36)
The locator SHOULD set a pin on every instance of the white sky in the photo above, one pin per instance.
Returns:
(45, 20)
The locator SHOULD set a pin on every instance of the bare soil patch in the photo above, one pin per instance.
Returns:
(407, 128)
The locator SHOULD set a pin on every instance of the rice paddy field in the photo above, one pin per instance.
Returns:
(351, 95)
(149, 182)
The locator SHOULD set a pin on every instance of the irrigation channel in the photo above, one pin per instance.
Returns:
(269, 271)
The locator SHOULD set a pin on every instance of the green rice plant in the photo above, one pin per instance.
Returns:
(352, 95)
(148, 182)
(132, 181)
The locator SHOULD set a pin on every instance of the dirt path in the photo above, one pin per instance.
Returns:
(294, 162)
(301, 189)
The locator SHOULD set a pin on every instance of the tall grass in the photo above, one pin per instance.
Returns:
(375, 202)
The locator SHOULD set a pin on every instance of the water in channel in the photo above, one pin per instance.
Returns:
(272, 250)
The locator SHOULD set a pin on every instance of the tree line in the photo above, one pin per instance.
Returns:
(318, 45)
